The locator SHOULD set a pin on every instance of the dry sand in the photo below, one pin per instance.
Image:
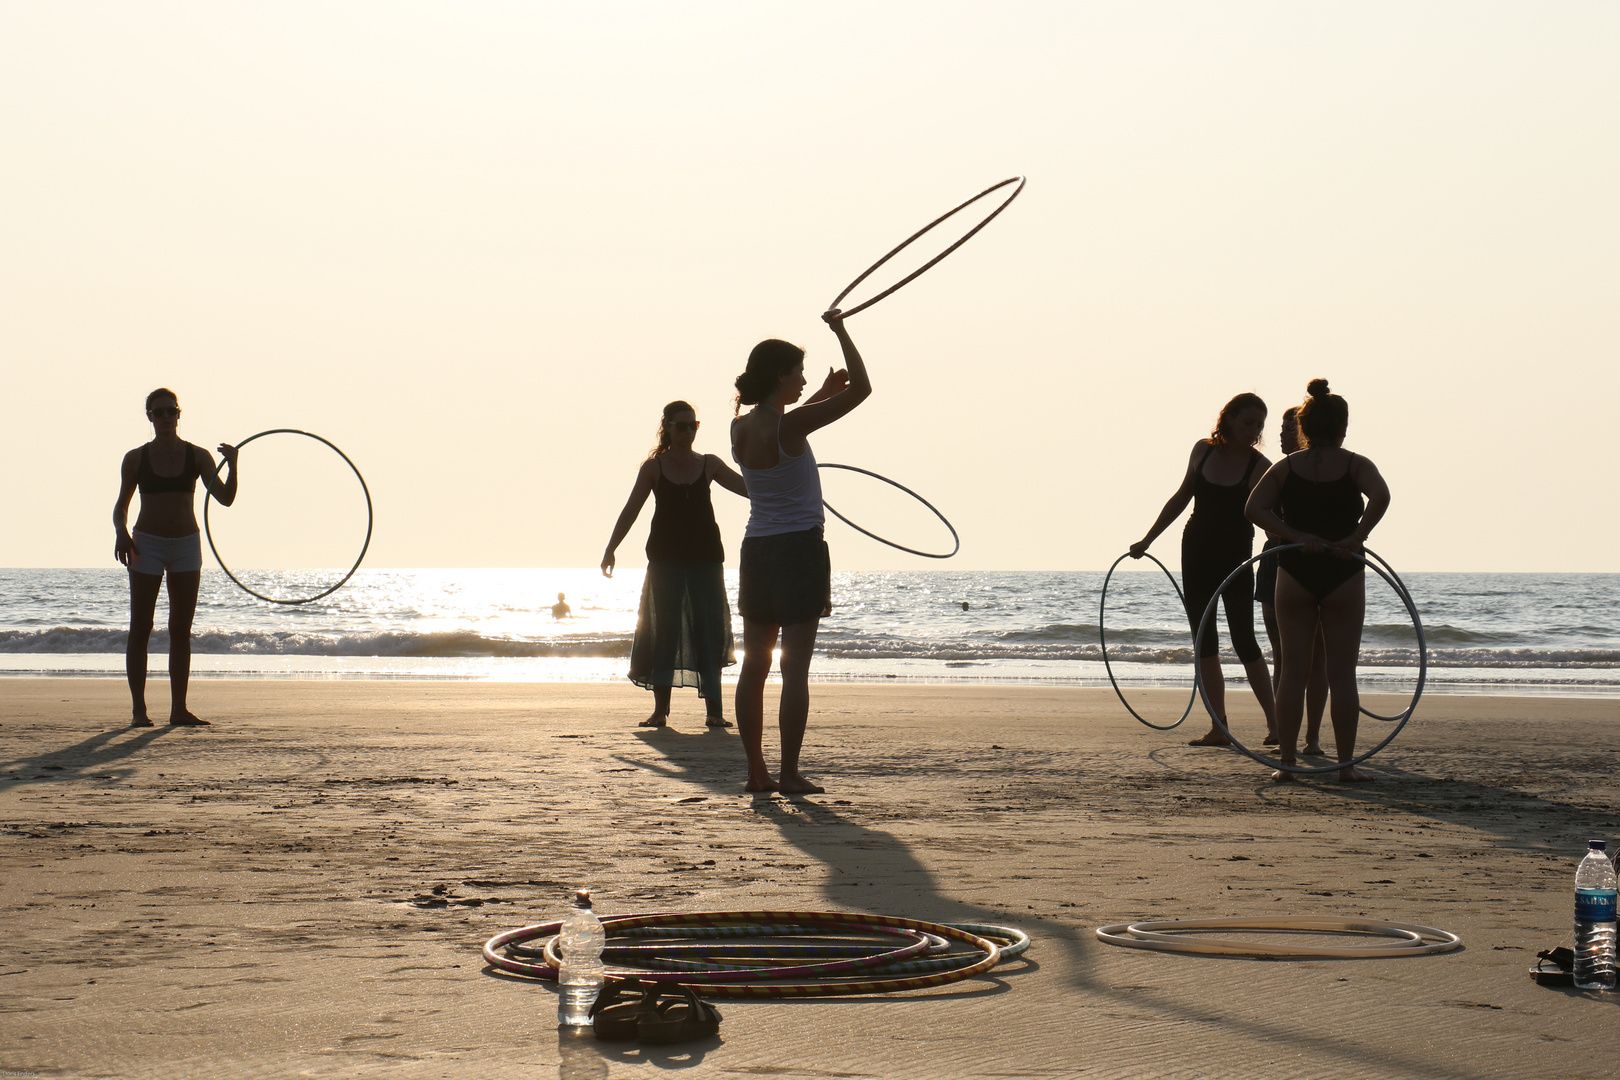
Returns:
(303, 889)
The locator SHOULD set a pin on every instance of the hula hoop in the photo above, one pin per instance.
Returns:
(1102, 635)
(1172, 937)
(953, 211)
(991, 945)
(1423, 666)
(1405, 594)
(913, 551)
(208, 494)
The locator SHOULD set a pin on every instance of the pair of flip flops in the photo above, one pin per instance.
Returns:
(656, 1012)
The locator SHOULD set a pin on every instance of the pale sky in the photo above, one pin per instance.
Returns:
(479, 245)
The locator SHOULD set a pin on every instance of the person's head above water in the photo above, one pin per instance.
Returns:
(1324, 416)
(676, 428)
(1242, 422)
(771, 362)
(1288, 438)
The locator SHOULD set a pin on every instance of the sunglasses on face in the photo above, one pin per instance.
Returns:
(685, 425)
(168, 412)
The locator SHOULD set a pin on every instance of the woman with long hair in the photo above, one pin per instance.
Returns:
(165, 543)
(683, 633)
(1328, 499)
(786, 574)
(1217, 539)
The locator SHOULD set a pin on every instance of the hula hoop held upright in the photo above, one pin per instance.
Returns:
(1315, 497)
(785, 586)
(165, 542)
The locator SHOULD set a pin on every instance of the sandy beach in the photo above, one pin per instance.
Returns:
(303, 889)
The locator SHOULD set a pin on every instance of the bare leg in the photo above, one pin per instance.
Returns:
(1297, 617)
(143, 594)
(1209, 670)
(1260, 681)
(758, 641)
(798, 644)
(1316, 696)
(1343, 612)
(660, 713)
(182, 609)
(1268, 615)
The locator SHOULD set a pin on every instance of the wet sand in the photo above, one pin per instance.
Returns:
(303, 889)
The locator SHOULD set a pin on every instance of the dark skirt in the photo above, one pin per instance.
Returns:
(683, 635)
(785, 578)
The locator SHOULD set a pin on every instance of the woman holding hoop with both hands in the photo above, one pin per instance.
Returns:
(786, 574)
(165, 541)
(1221, 472)
(1315, 497)
(683, 633)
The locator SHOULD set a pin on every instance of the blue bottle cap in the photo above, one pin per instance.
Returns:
(1597, 845)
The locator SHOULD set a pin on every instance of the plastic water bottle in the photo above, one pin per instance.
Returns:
(581, 976)
(1594, 920)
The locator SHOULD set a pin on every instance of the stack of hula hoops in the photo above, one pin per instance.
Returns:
(774, 954)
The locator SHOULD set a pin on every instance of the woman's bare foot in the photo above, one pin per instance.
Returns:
(186, 719)
(797, 784)
(767, 784)
(1283, 776)
(141, 720)
(1352, 775)
(1272, 739)
(717, 722)
(1313, 750)
(655, 720)
(1214, 738)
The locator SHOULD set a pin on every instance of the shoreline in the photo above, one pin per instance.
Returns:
(304, 888)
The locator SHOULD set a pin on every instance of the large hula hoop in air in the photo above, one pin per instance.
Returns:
(1400, 718)
(363, 547)
(957, 540)
(1102, 635)
(907, 242)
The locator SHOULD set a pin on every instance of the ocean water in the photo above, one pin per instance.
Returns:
(1502, 633)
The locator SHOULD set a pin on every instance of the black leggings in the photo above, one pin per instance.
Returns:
(1200, 577)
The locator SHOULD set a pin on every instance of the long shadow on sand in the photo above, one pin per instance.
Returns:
(95, 758)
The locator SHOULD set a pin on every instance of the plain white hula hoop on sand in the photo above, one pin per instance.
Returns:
(1173, 937)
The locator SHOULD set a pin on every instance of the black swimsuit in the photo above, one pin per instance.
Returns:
(149, 480)
(1330, 509)
(1216, 540)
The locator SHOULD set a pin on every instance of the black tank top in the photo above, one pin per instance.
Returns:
(149, 481)
(1330, 509)
(683, 527)
(1217, 517)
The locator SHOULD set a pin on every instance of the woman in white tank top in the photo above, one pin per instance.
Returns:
(785, 575)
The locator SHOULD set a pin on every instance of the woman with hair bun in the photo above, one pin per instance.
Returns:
(165, 543)
(1217, 539)
(1328, 499)
(786, 575)
(683, 632)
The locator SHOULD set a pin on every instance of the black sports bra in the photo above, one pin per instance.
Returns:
(150, 482)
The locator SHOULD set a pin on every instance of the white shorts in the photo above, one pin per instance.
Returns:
(155, 554)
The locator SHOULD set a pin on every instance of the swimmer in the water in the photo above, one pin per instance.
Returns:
(165, 542)
(561, 610)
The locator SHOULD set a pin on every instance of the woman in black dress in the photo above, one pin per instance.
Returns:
(1221, 470)
(1316, 497)
(165, 543)
(683, 634)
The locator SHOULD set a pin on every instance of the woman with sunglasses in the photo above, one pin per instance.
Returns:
(785, 576)
(683, 634)
(165, 542)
